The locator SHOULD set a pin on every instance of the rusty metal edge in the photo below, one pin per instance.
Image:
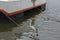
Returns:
(21, 10)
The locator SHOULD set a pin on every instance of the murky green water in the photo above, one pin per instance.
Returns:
(11, 31)
(48, 22)
(8, 28)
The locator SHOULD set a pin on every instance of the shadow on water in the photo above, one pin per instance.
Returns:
(7, 25)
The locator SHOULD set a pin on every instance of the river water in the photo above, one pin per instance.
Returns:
(48, 22)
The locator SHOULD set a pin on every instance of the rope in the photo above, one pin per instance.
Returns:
(12, 20)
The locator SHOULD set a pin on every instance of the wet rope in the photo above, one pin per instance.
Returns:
(12, 20)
